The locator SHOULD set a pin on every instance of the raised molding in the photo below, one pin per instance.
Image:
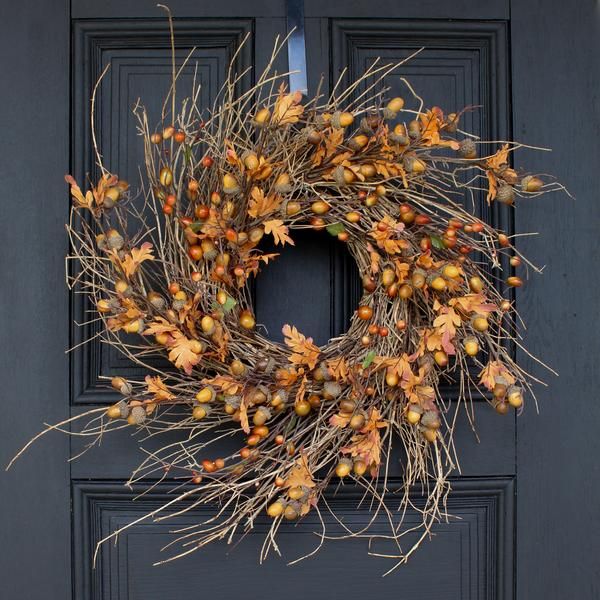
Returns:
(482, 535)
(138, 52)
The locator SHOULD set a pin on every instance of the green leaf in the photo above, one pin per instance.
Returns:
(369, 358)
(437, 242)
(229, 304)
(335, 228)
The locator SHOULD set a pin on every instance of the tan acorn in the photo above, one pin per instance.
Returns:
(388, 276)
(418, 278)
(480, 323)
(250, 160)
(476, 284)
(237, 367)
(393, 107)
(451, 271)
(437, 283)
(206, 394)
(471, 345)
(414, 130)
(165, 176)
(262, 117)
(501, 407)
(282, 184)
(209, 250)
(261, 416)
(137, 415)
(359, 467)
(341, 120)
(114, 239)
(230, 184)
(413, 414)
(505, 194)
(467, 149)
(431, 419)
(114, 411)
(207, 324)
(368, 170)
(399, 135)
(414, 165)
(302, 408)
(331, 390)
(199, 413)
(500, 387)
(430, 434)
(320, 207)
(343, 468)
(531, 184)
(358, 142)
(515, 396)
(357, 421)
(103, 306)
(441, 358)
(514, 281)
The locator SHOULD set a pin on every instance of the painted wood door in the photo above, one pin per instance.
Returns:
(526, 495)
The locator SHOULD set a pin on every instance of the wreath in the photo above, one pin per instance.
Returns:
(169, 270)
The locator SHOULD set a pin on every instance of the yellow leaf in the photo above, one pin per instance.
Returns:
(299, 474)
(182, 355)
(227, 384)
(261, 205)
(287, 108)
(158, 389)
(304, 352)
(279, 231)
(135, 258)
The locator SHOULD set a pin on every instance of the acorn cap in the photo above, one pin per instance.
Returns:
(332, 388)
(138, 414)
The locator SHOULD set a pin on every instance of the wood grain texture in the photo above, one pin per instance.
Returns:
(555, 83)
(35, 539)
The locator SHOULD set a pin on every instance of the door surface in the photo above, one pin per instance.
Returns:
(527, 494)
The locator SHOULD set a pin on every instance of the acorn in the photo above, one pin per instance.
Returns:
(101, 241)
(179, 300)
(451, 271)
(505, 194)
(331, 390)
(480, 323)
(414, 165)
(312, 136)
(514, 281)
(137, 415)
(343, 468)
(359, 467)
(265, 364)
(413, 414)
(342, 120)
(262, 117)
(371, 200)
(437, 283)
(230, 184)
(276, 509)
(199, 412)
(358, 142)
(302, 408)
(501, 407)
(515, 396)
(418, 278)
(388, 276)
(247, 320)
(205, 395)
(393, 107)
(282, 184)
(399, 135)
(368, 170)
(122, 385)
(347, 405)
(208, 324)
(431, 420)
(261, 416)
(531, 184)
(452, 123)
(414, 130)
(430, 434)
(156, 138)
(391, 378)
(467, 149)
(156, 300)
(476, 284)
(357, 421)
(114, 239)
(135, 326)
(441, 358)
(320, 207)
(237, 367)
(353, 216)
(279, 398)
(209, 250)
(292, 208)
(405, 291)
(471, 346)
(250, 160)
(292, 511)
(103, 306)
(114, 411)
(296, 493)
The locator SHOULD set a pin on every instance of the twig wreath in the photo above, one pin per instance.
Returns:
(171, 277)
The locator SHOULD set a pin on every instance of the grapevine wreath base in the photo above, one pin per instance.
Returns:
(168, 271)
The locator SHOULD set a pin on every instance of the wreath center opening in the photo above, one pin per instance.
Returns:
(313, 285)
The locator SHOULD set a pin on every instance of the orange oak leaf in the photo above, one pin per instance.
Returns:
(157, 387)
(446, 323)
(182, 355)
(366, 444)
(498, 160)
(494, 369)
(386, 233)
(300, 475)
(279, 231)
(338, 368)
(304, 352)
(287, 108)
(82, 201)
(340, 420)
(287, 376)
(431, 122)
(473, 303)
(160, 325)
(261, 205)
(133, 259)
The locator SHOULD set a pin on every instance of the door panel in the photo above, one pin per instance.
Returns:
(488, 49)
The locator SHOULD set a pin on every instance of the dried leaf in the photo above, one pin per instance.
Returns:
(135, 258)
(446, 323)
(182, 355)
(158, 389)
(304, 352)
(494, 369)
(287, 108)
(261, 205)
(279, 231)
